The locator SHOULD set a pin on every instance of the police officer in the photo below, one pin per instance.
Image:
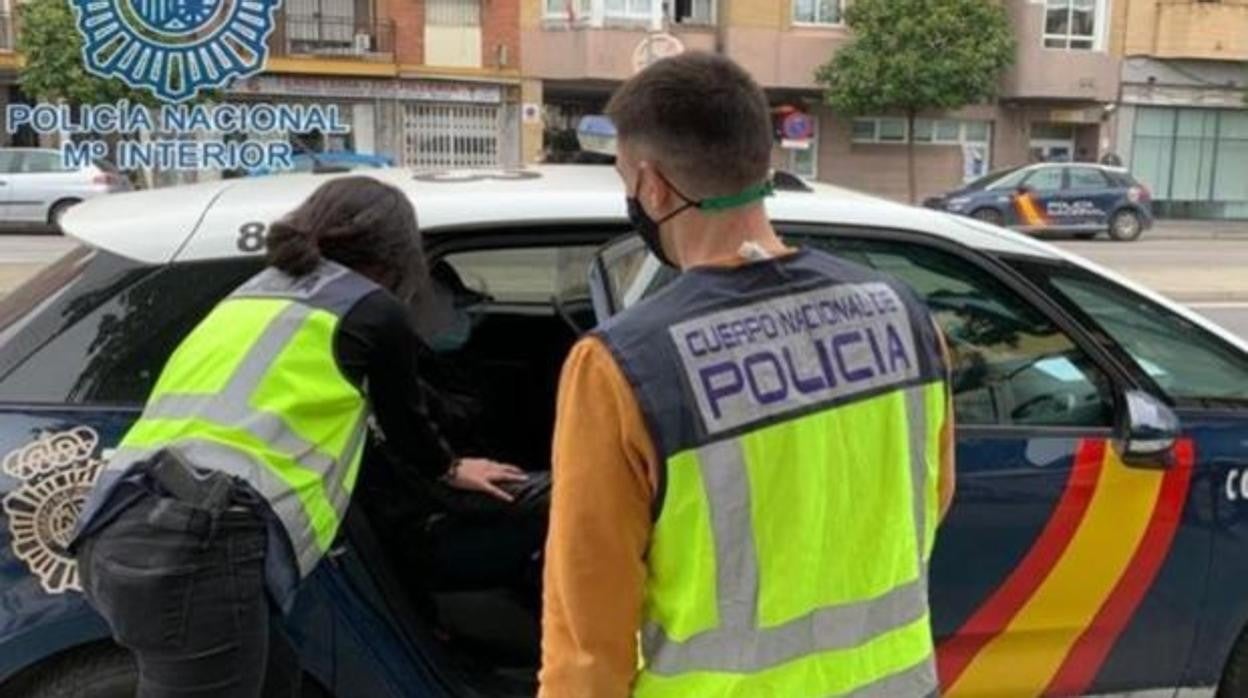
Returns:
(237, 476)
(749, 466)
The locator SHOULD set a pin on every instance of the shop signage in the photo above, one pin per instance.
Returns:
(418, 90)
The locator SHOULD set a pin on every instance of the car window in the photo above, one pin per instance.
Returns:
(120, 334)
(1087, 178)
(1012, 180)
(1045, 179)
(1185, 360)
(990, 179)
(531, 275)
(8, 161)
(1011, 364)
(37, 162)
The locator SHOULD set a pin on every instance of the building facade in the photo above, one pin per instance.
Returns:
(433, 84)
(1055, 102)
(1183, 117)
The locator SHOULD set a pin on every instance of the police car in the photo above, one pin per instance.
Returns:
(1078, 198)
(1098, 543)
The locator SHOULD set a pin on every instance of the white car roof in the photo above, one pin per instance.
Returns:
(202, 221)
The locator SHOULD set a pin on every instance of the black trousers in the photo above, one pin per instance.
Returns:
(190, 604)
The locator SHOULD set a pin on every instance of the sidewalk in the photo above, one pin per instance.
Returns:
(1191, 229)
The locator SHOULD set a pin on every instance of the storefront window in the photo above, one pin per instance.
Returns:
(892, 130)
(1192, 155)
(1072, 24)
(936, 131)
(1230, 180)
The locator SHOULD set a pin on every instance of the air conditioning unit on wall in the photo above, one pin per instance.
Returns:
(363, 43)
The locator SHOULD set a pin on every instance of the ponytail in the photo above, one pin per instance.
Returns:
(292, 250)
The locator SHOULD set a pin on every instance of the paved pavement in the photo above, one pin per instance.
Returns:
(23, 255)
(1201, 263)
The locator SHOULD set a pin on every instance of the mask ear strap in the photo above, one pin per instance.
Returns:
(749, 196)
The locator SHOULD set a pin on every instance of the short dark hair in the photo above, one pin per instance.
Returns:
(702, 118)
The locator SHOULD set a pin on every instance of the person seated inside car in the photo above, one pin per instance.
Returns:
(441, 540)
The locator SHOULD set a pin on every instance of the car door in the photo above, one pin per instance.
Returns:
(1206, 378)
(8, 167)
(1053, 540)
(1044, 187)
(83, 343)
(40, 181)
(1088, 198)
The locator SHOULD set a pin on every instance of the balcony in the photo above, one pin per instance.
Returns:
(336, 37)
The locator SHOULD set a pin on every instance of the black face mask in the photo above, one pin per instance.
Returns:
(648, 228)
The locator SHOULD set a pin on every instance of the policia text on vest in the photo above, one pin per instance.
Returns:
(770, 357)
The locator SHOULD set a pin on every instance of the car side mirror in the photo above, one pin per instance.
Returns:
(1149, 430)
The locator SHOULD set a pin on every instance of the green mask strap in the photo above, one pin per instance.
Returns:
(745, 198)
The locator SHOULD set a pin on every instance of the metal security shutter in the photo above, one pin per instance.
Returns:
(453, 13)
(451, 136)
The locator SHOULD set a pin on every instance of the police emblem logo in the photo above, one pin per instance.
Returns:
(56, 472)
(175, 48)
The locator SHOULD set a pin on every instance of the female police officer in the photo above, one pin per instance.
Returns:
(238, 474)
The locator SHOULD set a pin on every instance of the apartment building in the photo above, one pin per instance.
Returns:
(1055, 102)
(432, 83)
(1183, 119)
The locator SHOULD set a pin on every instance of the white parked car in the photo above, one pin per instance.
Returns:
(36, 189)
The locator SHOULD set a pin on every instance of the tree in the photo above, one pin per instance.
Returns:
(54, 71)
(915, 55)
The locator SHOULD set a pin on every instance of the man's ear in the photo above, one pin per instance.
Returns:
(652, 188)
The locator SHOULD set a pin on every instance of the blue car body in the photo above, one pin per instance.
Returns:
(1064, 567)
(1080, 198)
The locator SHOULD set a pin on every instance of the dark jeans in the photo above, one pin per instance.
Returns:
(190, 605)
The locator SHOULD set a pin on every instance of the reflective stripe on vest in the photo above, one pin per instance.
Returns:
(800, 435)
(255, 391)
(751, 657)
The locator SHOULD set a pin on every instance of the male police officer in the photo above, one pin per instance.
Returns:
(746, 465)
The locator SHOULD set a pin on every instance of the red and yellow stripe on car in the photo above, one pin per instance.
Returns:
(1050, 626)
(1029, 213)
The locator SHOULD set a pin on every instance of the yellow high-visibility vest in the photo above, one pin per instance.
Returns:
(255, 391)
(797, 407)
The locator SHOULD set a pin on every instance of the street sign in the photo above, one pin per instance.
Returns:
(654, 48)
(798, 126)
